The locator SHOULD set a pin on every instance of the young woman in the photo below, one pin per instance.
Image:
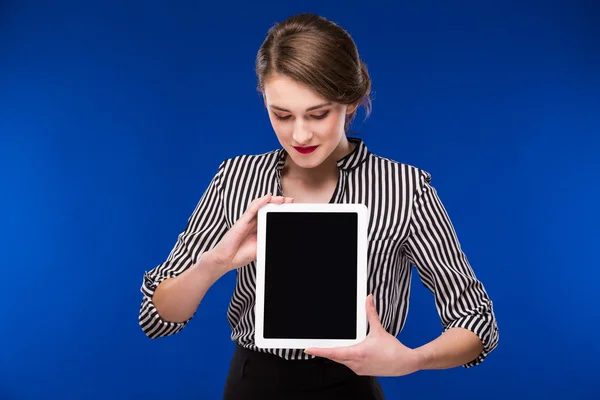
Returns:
(313, 80)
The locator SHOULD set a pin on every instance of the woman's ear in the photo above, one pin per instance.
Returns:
(351, 108)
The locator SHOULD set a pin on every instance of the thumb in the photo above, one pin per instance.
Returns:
(372, 315)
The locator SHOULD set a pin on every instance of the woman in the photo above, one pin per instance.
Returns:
(312, 81)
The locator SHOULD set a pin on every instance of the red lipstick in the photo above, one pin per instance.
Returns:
(305, 150)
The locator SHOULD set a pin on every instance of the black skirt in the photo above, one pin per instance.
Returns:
(254, 375)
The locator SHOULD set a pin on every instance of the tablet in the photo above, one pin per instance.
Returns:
(311, 277)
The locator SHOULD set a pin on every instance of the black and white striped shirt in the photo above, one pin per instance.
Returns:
(408, 226)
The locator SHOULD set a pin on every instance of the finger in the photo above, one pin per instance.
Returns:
(252, 211)
(339, 354)
(289, 200)
(259, 202)
(372, 315)
(247, 222)
(256, 205)
(277, 199)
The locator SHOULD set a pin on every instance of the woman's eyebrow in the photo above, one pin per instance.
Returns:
(308, 109)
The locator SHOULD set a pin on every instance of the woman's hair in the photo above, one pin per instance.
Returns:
(318, 53)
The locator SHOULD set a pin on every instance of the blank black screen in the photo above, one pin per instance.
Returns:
(310, 275)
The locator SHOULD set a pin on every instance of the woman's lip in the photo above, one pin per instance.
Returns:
(306, 149)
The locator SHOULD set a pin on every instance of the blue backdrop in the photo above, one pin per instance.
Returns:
(114, 116)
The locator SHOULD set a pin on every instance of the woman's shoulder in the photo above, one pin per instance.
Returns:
(251, 161)
(398, 170)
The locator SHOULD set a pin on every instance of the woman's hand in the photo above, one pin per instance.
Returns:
(238, 246)
(380, 354)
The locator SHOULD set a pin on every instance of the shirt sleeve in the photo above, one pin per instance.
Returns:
(433, 247)
(205, 227)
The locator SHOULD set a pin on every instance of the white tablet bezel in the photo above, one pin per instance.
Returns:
(361, 273)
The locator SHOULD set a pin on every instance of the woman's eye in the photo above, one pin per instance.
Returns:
(321, 116)
(280, 118)
(287, 117)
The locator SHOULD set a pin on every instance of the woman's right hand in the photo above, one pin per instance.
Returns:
(238, 246)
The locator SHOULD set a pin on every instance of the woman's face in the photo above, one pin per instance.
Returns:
(309, 127)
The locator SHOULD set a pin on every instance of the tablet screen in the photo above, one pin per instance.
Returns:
(310, 280)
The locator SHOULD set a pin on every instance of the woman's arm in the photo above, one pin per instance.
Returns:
(470, 329)
(453, 348)
(177, 299)
(461, 299)
(173, 290)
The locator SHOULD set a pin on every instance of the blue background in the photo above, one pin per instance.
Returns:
(114, 116)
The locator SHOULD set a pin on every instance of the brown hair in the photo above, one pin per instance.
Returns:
(320, 54)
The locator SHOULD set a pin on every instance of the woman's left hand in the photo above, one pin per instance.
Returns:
(380, 354)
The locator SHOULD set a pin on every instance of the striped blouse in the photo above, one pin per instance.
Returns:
(408, 226)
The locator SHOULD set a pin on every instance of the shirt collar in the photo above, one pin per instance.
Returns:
(351, 161)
